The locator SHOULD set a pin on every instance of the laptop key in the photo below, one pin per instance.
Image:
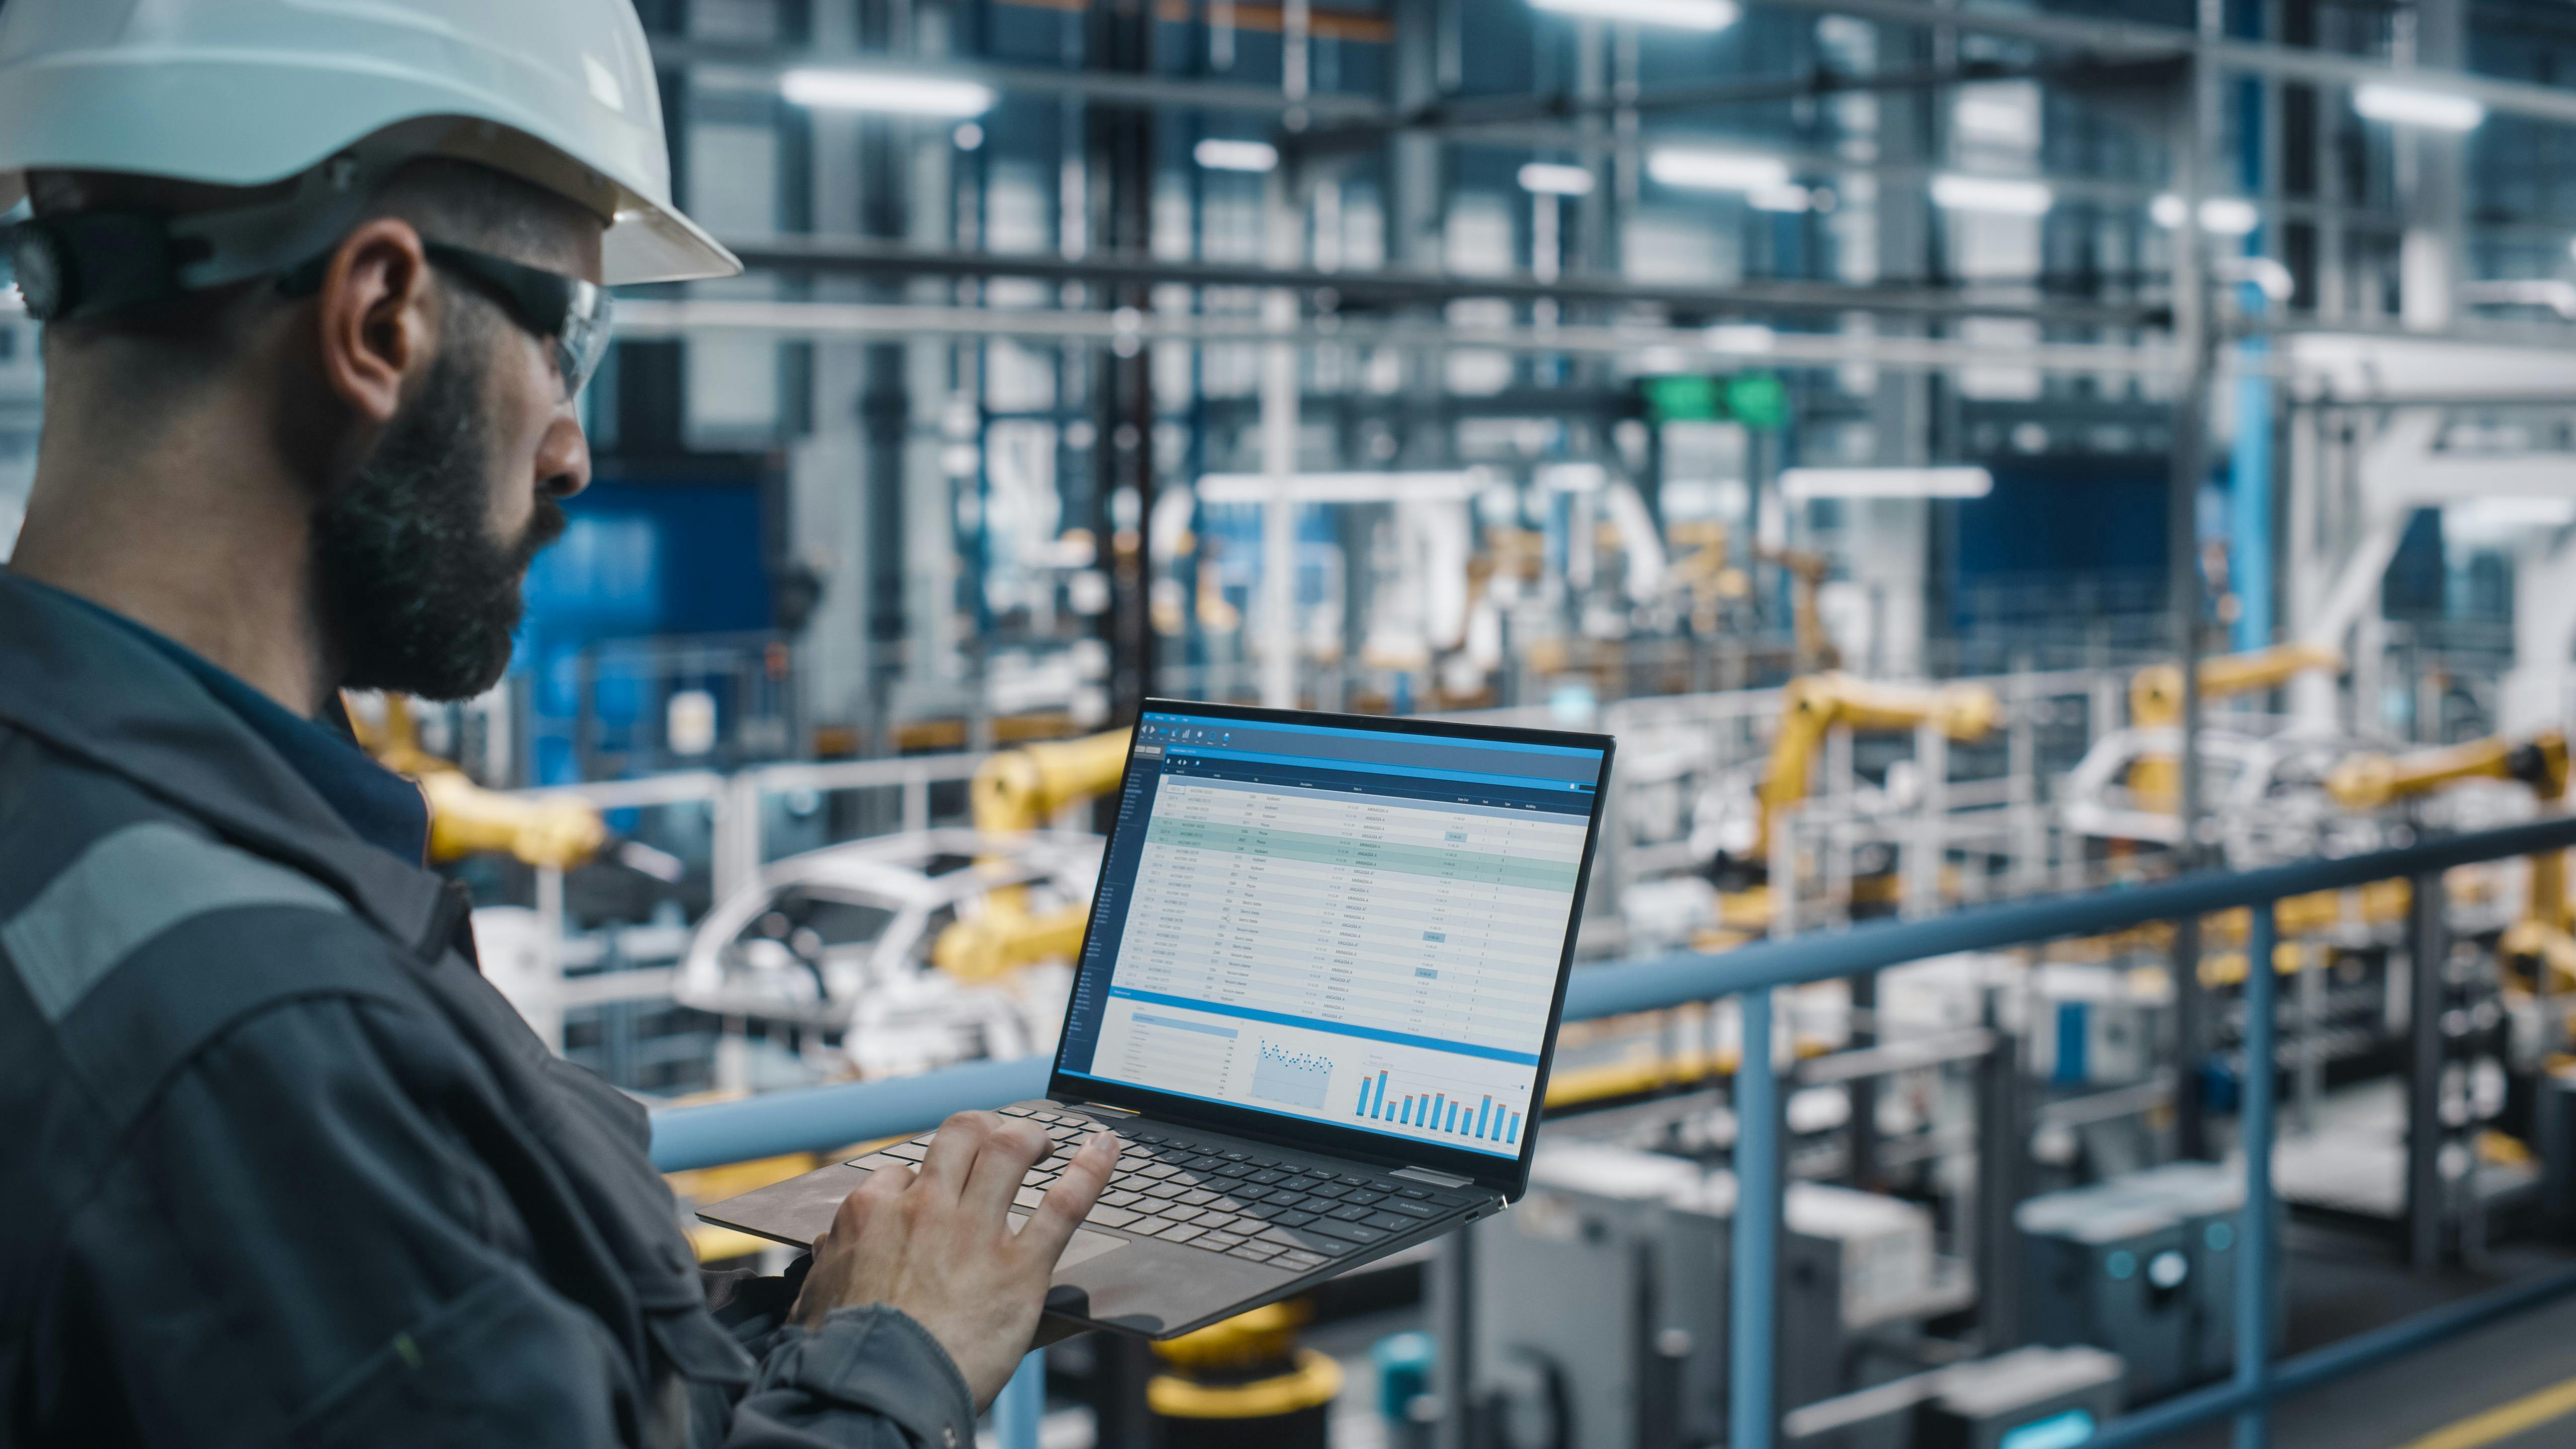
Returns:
(1028, 1197)
(1109, 1217)
(1334, 1190)
(1360, 1233)
(1198, 1197)
(1180, 1214)
(1293, 1219)
(1366, 1198)
(1149, 1227)
(1218, 1242)
(1390, 1222)
(1317, 1204)
(1349, 1214)
(1269, 1175)
(1327, 1247)
(910, 1151)
(1181, 1234)
(1019, 1111)
(1410, 1209)
(875, 1160)
(1167, 1189)
(1298, 1258)
(1415, 1193)
(1254, 1252)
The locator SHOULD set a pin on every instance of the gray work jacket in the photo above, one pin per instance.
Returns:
(280, 1168)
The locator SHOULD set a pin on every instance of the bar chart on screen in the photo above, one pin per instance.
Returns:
(1489, 1115)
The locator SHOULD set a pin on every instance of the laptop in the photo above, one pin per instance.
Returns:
(1317, 998)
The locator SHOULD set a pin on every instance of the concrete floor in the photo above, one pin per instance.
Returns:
(2344, 1283)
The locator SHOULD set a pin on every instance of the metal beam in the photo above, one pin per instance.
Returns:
(1663, 349)
(854, 256)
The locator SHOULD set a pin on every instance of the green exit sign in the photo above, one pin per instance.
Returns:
(1755, 399)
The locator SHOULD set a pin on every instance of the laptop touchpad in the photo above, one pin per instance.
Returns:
(1086, 1244)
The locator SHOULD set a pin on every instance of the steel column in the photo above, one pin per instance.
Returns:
(2195, 342)
(1021, 1407)
(1755, 1260)
(2254, 1234)
(2427, 946)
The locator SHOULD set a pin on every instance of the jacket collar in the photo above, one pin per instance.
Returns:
(95, 692)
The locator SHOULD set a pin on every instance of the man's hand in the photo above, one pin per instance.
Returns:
(938, 1243)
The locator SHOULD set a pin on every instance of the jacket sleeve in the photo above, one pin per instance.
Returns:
(300, 1247)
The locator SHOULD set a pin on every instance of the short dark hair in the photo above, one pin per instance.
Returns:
(193, 336)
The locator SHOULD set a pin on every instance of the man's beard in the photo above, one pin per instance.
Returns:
(416, 593)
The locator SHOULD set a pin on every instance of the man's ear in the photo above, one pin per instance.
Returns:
(378, 322)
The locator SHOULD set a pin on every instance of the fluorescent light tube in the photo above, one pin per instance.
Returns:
(2222, 215)
(1799, 484)
(2406, 106)
(1236, 155)
(1679, 14)
(1717, 170)
(1788, 197)
(906, 95)
(1549, 178)
(1959, 192)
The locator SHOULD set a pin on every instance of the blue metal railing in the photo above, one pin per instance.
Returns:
(826, 1117)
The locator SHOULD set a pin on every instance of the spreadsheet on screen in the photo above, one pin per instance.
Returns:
(1361, 927)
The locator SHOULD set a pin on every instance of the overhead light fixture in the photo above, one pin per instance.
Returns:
(1236, 155)
(1678, 14)
(1551, 178)
(2407, 106)
(1345, 487)
(1799, 484)
(871, 90)
(1789, 196)
(1745, 337)
(1717, 170)
(1958, 192)
(2222, 215)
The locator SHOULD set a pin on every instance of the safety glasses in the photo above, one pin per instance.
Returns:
(572, 314)
(568, 312)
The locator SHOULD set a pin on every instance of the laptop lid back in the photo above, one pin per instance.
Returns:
(1346, 932)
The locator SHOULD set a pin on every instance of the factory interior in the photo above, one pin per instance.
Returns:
(1971, 456)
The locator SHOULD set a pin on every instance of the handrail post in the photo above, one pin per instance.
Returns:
(1753, 1271)
(2426, 946)
(2254, 1235)
(1020, 1408)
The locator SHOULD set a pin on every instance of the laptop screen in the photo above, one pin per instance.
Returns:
(1360, 927)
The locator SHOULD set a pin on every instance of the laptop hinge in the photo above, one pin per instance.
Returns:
(1436, 1179)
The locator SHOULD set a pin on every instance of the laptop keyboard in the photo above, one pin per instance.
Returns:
(1221, 1200)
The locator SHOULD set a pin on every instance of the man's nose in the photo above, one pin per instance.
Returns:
(563, 458)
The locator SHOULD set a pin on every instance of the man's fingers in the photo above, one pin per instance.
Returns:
(1071, 1199)
(1008, 1154)
(953, 1151)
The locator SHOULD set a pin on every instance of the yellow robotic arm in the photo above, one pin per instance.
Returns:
(1819, 704)
(2155, 702)
(467, 819)
(1023, 789)
(1015, 791)
(2155, 692)
(2367, 782)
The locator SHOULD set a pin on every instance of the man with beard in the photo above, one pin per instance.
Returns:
(322, 280)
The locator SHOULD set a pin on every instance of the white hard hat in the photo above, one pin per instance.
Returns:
(250, 92)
